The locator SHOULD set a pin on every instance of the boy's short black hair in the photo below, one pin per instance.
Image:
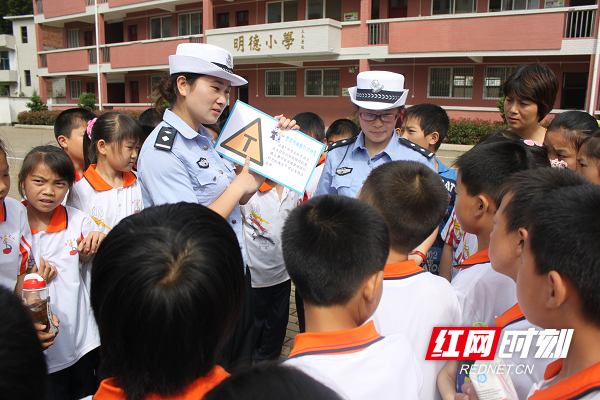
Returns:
(342, 126)
(148, 120)
(167, 290)
(271, 381)
(539, 153)
(486, 167)
(411, 198)
(432, 118)
(526, 185)
(311, 124)
(500, 135)
(591, 148)
(575, 126)
(54, 158)
(23, 367)
(331, 244)
(70, 119)
(564, 236)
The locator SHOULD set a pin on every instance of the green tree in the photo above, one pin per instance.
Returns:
(13, 7)
(87, 101)
(36, 103)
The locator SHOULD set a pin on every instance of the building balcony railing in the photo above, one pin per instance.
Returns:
(8, 75)
(379, 32)
(7, 42)
(579, 23)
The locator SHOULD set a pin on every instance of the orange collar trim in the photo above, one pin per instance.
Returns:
(480, 257)
(109, 390)
(77, 177)
(100, 184)
(401, 270)
(321, 160)
(575, 387)
(3, 212)
(339, 342)
(58, 222)
(265, 187)
(514, 314)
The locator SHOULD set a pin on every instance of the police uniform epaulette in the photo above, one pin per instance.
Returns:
(421, 150)
(165, 138)
(341, 143)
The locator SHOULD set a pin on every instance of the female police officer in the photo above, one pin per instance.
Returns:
(178, 161)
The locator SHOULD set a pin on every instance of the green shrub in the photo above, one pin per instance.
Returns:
(500, 105)
(469, 131)
(37, 117)
(87, 101)
(36, 103)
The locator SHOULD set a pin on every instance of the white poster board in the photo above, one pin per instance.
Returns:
(286, 157)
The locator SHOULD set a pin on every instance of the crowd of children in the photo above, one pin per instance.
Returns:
(386, 244)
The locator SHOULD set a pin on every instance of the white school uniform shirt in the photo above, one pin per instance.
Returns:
(311, 187)
(514, 320)
(69, 298)
(584, 385)
(359, 363)
(483, 293)
(263, 218)
(106, 205)
(16, 242)
(413, 302)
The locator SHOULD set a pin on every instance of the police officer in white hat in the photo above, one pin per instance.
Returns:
(178, 161)
(379, 98)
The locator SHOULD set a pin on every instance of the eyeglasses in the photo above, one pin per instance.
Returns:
(384, 117)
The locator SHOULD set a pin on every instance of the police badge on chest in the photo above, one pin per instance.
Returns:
(343, 171)
(203, 163)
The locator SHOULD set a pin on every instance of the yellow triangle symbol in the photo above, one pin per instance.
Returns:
(247, 142)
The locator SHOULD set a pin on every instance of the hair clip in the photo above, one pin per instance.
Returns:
(90, 124)
(530, 142)
(556, 163)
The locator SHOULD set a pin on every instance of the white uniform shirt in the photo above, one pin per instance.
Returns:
(584, 385)
(413, 302)
(483, 293)
(359, 363)
(16, 242)
(103, 203)
(69, 299)
(263, 217)
(514, 320)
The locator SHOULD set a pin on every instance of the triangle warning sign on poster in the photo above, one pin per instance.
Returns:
(247, 142)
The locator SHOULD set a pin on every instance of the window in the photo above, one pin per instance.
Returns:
(453, 6)
(23, 34)
(447, 82)
(160, 27)
(75, 89)
(280, 83)
(282, 11)
(507, 5)
(493, 81)
(316, 9)
(223, 20)
(73, 38)
(27, 78)
(154, 80)
(88, 38)
(242, 18)
(90, 87)
(4, 64)
(322, 82)
(132, 33)
(190, 24)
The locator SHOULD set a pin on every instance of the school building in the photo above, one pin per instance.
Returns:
(302, 55)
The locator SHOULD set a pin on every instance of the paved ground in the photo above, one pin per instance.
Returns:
(21, 140)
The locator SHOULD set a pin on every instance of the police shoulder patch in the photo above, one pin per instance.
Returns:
(165, 138)
(343, 171)
(341, 143)
(413, 146)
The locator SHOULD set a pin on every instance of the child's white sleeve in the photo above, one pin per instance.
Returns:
(88, 226)
(25, 245)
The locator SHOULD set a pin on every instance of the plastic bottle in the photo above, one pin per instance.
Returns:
(36, 298)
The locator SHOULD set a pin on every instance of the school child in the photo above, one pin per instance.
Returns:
(427, 125)
(167, 291)
(313, 125)
(341, 129)
(69, 128)
(565, 135)
(588, 159)
(148, 121)
(421, 195)
(63, 236)
(14, 233)
(335, 249)
(379, 97)
(263, 217)
(109, 190)
(482, 292)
